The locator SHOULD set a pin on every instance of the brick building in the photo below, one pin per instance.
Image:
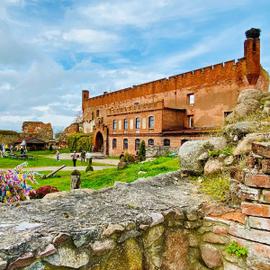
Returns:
(171, 110)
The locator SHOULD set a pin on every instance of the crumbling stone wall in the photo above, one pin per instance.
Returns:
(38, 130)
(8, 136)
(157, 223)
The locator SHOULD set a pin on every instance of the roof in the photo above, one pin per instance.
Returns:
(31, 141)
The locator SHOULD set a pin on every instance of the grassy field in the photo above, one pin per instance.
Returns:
(107, 177)
(41, 160)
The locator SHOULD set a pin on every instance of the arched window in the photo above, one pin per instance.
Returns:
(166, 142)
(125, 124)
(97, 113)
(137, 144)
(137, 123)
(114, 143)
(151, 142)
(151, 122)
(93, 115)
(114, 124)
(125, 144)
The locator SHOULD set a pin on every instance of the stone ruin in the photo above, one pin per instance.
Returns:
(39, 130)
(162, 222)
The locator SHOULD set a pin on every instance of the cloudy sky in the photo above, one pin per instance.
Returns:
(52, 49)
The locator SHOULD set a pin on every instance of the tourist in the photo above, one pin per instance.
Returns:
(57, 155)
(83, 155)
(74, 158)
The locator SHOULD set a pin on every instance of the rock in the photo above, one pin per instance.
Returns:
(68, 257)
(153, 245)
(176, 251)
(211, 256)
(101, 247)
(228, 161)
(244, 147)
(240, 129)
(49, 250)
(203, 157)
(22, 261)
(157, 218)
(213, 166)
(3, 264)
(36, 266)
(112, 229)
(191, 150)
(249, 94)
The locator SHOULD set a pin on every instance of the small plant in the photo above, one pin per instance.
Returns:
(235, 249)
(128, 158)
(227, 151)
(76, 172)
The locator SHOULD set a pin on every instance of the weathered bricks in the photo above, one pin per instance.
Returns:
(255, 209)
(261, 149)
(258, 180)
(250, 234)
(266, 166)
(265, 197)
(259, 223)
(248, 193)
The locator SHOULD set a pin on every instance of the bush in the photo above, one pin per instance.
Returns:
(89, 167)
(227, 151)
(142, 151)
(42, 191)
(235, 249)
(78, 142)
(128, 158)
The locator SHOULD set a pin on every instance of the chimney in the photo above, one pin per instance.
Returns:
(252, 55)
(85, 97)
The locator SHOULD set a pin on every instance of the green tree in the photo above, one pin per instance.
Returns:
(142, 151)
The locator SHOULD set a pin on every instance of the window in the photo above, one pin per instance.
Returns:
(151, 122)
(191, 99)
(125, 124)
(97, 113)
(166, 142)
(137, 123)
(125, 144)
(151, 142)
(114, 124)
(114, 143)
(93, 115)
(190, 121)
(137, 144)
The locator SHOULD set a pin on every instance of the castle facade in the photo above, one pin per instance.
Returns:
(169, 111)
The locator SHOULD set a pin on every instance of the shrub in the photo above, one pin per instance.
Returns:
(128, 158)
(142, 151)
(235, 249)
(78, 142)
(76, 172)
(42, 191)
(89, 167)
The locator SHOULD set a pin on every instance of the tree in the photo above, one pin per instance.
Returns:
(142, 151)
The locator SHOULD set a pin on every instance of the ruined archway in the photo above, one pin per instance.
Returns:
(99, 145)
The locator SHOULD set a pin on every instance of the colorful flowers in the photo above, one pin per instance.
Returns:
(14, 184)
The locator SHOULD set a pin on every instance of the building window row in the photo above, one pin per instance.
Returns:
(151, 123)
(151, 142)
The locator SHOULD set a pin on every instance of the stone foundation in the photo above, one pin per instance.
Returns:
(157, 223)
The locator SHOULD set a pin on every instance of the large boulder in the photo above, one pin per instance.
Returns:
(213, 166)
(248, 102)
(237, 131)
(191, 151)
(244, 146)
(250, 94)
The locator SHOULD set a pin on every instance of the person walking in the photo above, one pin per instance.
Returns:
(57, 155)
(74, 158)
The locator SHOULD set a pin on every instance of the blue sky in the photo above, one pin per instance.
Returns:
(52, 49)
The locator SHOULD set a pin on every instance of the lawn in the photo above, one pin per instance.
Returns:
(107, 177)
(41, 160)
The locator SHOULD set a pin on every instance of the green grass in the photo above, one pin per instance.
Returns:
(107, 177)
(41, 159)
